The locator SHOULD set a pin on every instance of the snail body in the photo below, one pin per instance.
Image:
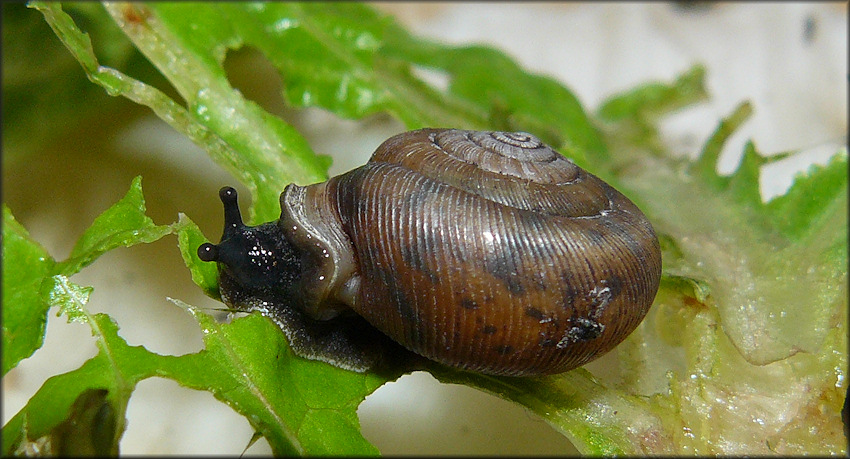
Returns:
(486, 251)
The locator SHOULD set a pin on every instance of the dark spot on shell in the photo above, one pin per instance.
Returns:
(547, 342)
(504, 349)
(489, 329)
(535, 313)
(468, 303)
(411, 256)
(615, 284)
(504, 267)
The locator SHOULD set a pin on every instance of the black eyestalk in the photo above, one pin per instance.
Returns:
(232, 224)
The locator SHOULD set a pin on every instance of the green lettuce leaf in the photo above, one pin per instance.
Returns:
(25, 266)
(301, 407)
(28, 270)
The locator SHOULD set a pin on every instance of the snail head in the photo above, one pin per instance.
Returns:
(257, 264)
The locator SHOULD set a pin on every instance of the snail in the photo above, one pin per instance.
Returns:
(485, 251)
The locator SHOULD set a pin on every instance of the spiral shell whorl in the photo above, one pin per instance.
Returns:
(512, 169)
(506, 153)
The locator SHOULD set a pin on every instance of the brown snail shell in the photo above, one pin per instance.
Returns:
(486, 251)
